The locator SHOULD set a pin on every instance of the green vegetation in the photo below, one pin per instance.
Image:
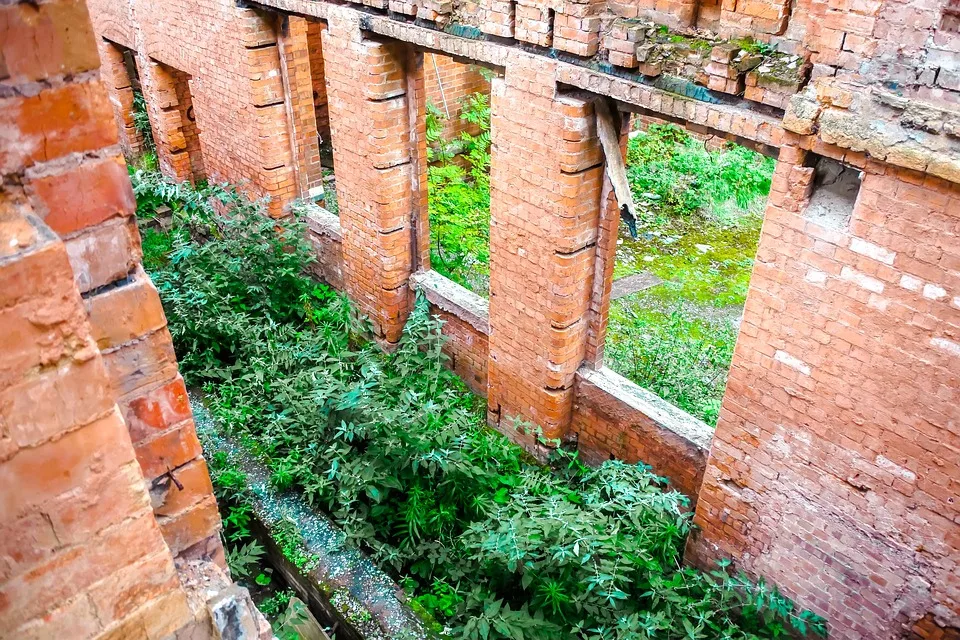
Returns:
(700, 214)
(459, 199)
(489, 542)
(141, 121)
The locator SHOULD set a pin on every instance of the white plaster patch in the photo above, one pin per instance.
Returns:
(877, 302)
(910, 283)
(889, 465)
(815, 276)
(956, 302)
(861, 246)
(861, 280)
(933, 292)
(792, 362)
(946, 345)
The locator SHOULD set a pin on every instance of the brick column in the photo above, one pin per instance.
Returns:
(57, 158)
(546, 179)
(315, 48)
(81, 552)
(378, 174)
(116, 77)
(833, 472)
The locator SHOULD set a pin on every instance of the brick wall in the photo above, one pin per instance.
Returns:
(92, 410)
(543, 228)
(378, 170)
(236, 88)
(613, 418)
(833, 471)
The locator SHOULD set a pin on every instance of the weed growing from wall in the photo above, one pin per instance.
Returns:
(394, 449)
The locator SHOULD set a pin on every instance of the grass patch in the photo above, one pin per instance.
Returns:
(700, 214)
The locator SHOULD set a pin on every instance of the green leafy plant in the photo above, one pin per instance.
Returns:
(242, 560)
(390, 445)
(459, 199)
(141, 122)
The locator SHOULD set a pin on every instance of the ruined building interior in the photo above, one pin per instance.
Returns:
(833, 471)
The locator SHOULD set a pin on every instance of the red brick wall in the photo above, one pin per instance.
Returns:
(85, 550)
(314, 46)
(614, 418)
(377, 172)
(458, 81)
(544, 223)
(467, 348)
(116, 77)
(232, 58)
(834, 470)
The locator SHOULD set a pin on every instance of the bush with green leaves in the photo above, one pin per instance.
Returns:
(672, 173)
(394, 449)
(459, 199)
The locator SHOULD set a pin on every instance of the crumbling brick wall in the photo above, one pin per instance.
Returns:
(93, 414)
(832, 462)
(832, 471)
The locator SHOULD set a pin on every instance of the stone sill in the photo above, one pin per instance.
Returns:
(323, 223)
(673, 419)
(454, 299)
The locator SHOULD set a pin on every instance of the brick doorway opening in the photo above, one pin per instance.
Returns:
(174, 121)
(456, 122)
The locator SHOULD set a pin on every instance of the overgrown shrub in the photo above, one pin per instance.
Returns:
(459, 199)
(671, 173)
(493, 544)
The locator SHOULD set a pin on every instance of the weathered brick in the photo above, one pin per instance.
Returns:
(84, 196)
(125, 313)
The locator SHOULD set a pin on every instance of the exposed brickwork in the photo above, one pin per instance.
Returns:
(371, 132)
(78, 539)
(634, 425)
(236, 89)
(85, 550)
(831, 455)
(315, 49)
(120, 86)
(299, 87)
(543, 230)
(831, 473)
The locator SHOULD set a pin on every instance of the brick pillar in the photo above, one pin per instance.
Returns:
(378, 173)
(274, 157)
(163, 106)
(546, 178)
(81, 552)
(833, 472)
(315, 48)
(56, 158)
(294, 53)
(116, 77)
